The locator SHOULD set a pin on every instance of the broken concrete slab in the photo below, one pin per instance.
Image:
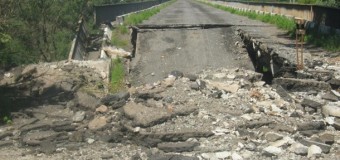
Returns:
(302, 85)
(177, 146)
(87, 101)
(147, 116)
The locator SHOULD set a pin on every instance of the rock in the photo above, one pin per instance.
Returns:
(309, 133)
(216, 94)
(168, 99)
(314, 125)
(330, 97)
(282, 92)
(250, 146)
(191, 77)
(331, 109)
(170, 157)
(310, 103)
(5, 134)
(327, 138)
(6, 143)
(283, 142)
(36, 138)
(298, 149)
(222, 155)
(177, 146)
(325, 147)
(102, 109)
(97, 123)
(177, 74)
(256, 124)
(314, 150)
(210, 156)
(36, 126)
(259, 83)
(301, 85)
(77, 136)
(147, 116)
(107, 156)
(335, 83)
(60, 126)
(169, 81)
(111, 99)
(336, 124)
(272, 151)
(194, 86)
(90, 140)
(271, 137)
(79, 116)
(48, 147)
(236, 156)
(233, 88)
(201, 84)
(87, 101)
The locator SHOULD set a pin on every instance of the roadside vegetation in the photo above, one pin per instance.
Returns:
(330, 42)
(117, 75)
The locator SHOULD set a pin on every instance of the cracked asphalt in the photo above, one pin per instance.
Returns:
(189, 50)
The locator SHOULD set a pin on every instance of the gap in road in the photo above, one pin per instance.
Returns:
(160, 49)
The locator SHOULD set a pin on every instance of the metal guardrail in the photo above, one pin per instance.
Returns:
(108, 13)
(321, 15)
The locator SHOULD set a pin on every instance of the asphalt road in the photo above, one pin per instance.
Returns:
(160, 51)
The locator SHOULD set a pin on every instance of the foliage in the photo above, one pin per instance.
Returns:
(280, 21)
(330, 42)
(117, 75)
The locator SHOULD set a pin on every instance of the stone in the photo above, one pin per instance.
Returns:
(299, 149)
(87, 101)
(177, 146)
(222, 155)
(301, 85)
(107, 156)
(271, 137)
(5, 134)
(111, 99)
(259, 83)
(60, 126)
(331, 109)
(201, 84)
(282, 142)
(77, 136)
(310, 103)
(236, 156)
(282, 92)
(191, 77)
(169, 81)
(48, 147)
(272, 151)
(102, 109)
(79, 116)
(177, 74)
(233, 88)
(335, 83)
(194, 86)
(314, 150)
(314, 125)
(36, 138)
(256, 124)
(147, 116)
(309, 133)
(170, 157)
(327, 138)
(6, 143)
(36, 126)
(90, 140)
(307, 142)
(97, 123)
(330, 97)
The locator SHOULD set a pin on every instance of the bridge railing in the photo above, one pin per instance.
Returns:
(108, 13)
(321, 15)
(78, 48)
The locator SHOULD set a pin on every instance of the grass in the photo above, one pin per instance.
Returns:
(117, 76)
(330, 42)
(137, 18)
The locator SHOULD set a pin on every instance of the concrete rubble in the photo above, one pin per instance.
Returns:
(214, 114)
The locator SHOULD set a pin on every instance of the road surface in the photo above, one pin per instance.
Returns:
(160, 51)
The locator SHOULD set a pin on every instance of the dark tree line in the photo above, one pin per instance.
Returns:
(41, 30)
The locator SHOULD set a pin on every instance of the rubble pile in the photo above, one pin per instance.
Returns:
(214, 114)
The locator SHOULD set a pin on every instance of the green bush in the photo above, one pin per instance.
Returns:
(117, 75)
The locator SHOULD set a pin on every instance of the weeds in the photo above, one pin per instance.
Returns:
(117, 75)
(330, 42)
